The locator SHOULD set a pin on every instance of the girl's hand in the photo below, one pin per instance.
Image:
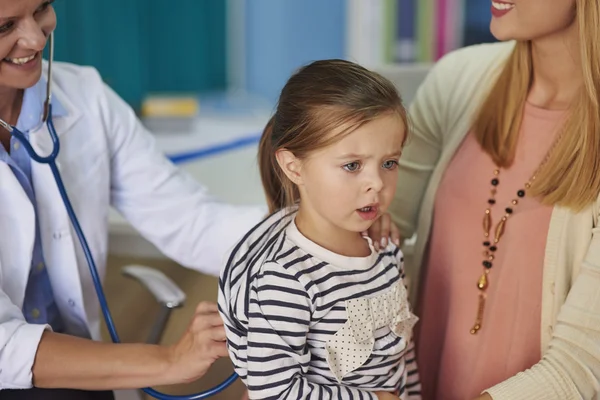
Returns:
(382, 230)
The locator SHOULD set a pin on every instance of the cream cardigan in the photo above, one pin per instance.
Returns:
(441, 116)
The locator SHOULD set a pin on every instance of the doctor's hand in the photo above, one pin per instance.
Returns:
(382, 230)
(200, 346)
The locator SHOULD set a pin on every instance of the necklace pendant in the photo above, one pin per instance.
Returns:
(479, 319)
(482, 283)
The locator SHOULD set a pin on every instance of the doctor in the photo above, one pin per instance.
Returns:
(48, 308)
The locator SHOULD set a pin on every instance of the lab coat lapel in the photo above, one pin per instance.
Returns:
(64, 123)
(58, 237)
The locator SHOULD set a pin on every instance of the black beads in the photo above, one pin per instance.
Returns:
(487, 264)
(492, 201)
(486, 243)
(508, 210)
(495, 182)
(493, 248)
(521, 193)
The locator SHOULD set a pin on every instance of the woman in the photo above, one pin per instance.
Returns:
(504, 154)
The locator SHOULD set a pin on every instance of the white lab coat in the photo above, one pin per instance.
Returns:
(106, 158)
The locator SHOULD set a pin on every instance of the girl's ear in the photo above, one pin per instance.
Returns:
(290, 165)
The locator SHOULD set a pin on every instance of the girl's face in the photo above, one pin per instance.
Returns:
(350, 183)
(24, 27)
(531, 19)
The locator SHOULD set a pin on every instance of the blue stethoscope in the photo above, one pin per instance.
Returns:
(51, 161)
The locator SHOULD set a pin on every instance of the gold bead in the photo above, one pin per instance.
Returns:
(482, 283)
(496, 171)
(499, 230)
(527, 185)
(515, 202)
(491, 257)
(487, 223)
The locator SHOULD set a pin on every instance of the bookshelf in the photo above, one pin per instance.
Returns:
(402, 39)
(384, 32)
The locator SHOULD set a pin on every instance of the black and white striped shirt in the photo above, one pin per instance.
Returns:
(283, 297)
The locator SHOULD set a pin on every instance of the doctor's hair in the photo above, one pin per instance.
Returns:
(319, 105)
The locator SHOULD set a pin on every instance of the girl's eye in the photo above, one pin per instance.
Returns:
(390, 164)
(352, 167)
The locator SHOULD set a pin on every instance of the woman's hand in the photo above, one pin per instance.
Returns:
(386, 396)
(200, 346)
(383, 229)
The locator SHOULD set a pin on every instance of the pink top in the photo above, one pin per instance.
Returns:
(455, 365)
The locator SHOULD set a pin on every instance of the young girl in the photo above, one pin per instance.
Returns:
(311, 309)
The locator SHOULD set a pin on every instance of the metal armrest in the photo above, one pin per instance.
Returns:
(164, 290)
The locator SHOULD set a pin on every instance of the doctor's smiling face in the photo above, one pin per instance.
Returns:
(24, 28)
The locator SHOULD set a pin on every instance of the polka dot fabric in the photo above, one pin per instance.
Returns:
(352, 345)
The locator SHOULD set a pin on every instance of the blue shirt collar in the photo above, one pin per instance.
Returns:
(33, 104)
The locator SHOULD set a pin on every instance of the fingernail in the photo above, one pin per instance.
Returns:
(383, 242)
(397, 242)
(376, 245)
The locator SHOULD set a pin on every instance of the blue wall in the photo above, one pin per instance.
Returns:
(142, 46)
(282, 35)
(477, 22)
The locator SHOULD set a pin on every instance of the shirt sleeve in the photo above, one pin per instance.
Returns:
(19, 342)
(413, 381)
(278, 354)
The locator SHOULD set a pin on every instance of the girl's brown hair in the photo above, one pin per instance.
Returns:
(318, 99)
(570, 175)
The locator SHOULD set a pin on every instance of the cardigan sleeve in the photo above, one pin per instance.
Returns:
(429, 120)
(444, 105)
(421, 151)
(570, 368)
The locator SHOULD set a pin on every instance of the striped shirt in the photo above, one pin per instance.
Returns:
(285, 300)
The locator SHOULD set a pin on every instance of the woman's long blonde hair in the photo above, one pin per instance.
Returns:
(570, 176)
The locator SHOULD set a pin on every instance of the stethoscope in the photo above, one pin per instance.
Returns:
(51, 161)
